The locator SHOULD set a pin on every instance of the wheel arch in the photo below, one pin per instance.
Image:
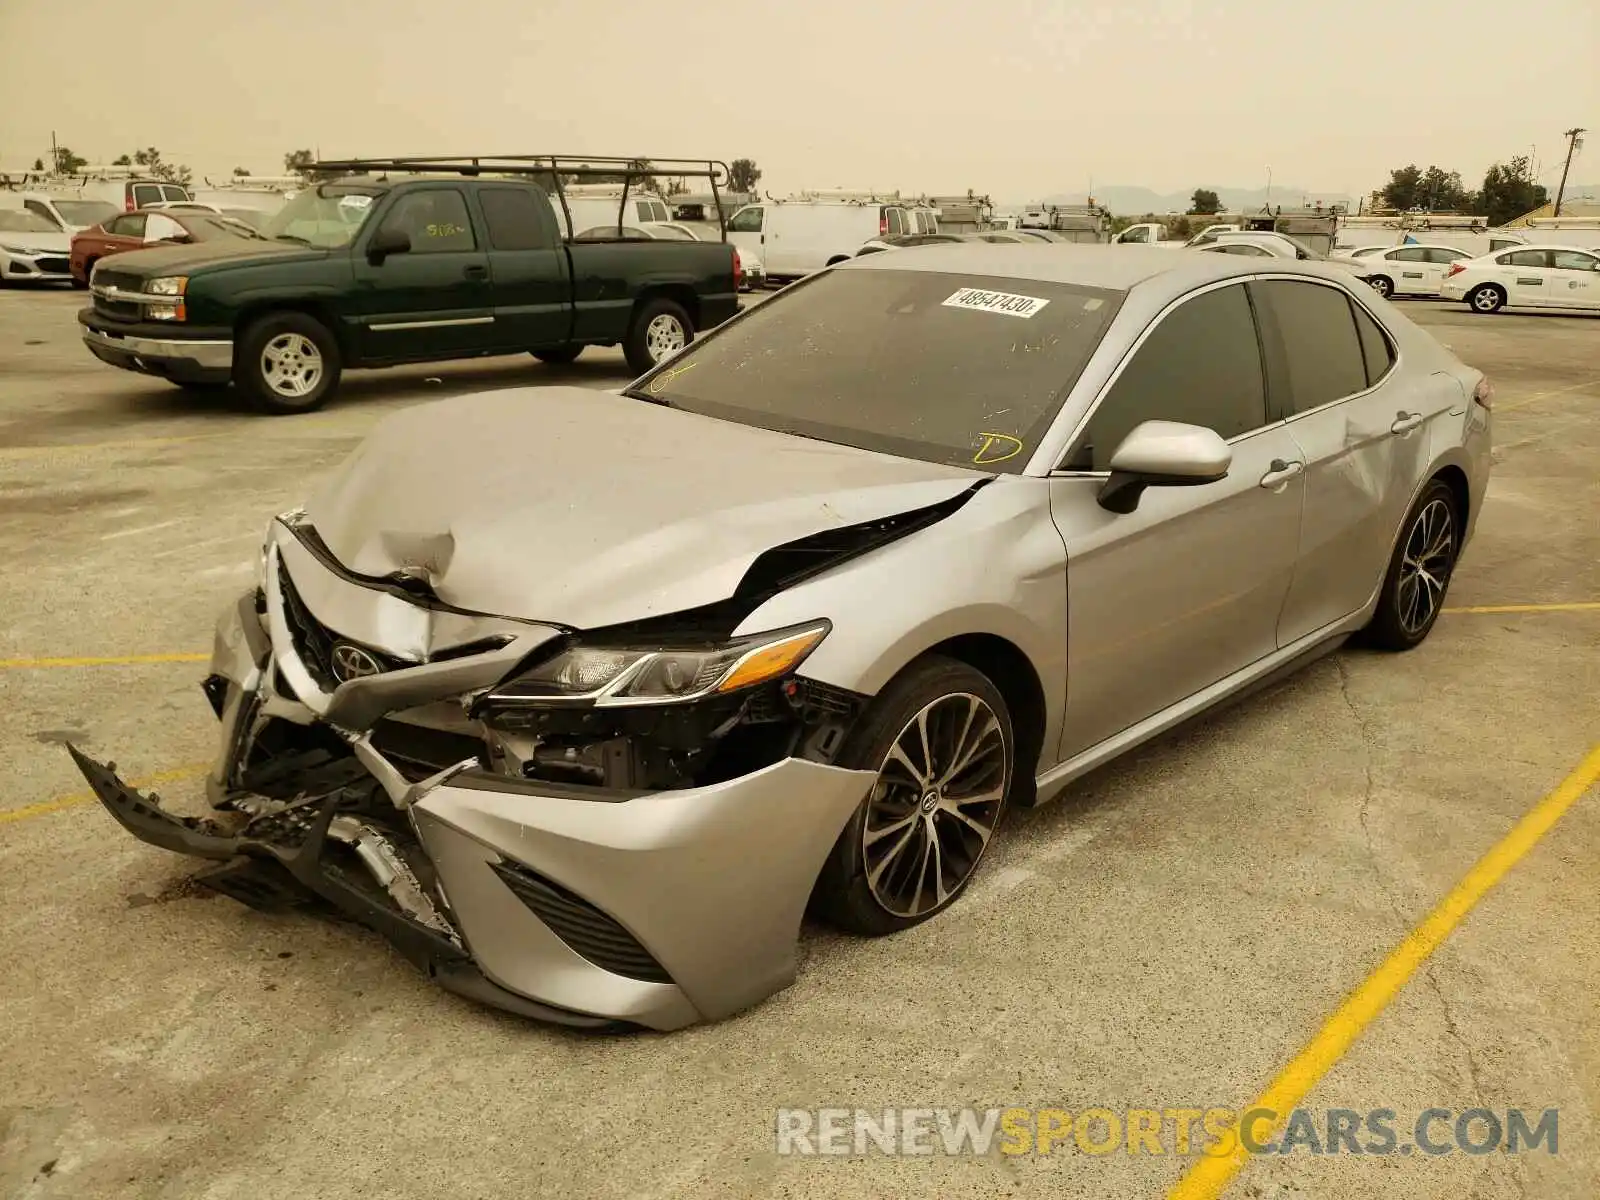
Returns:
(1004, 664)
(317, 310)
(836, 259)
(681, 294)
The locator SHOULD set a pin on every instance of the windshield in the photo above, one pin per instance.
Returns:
(327, 216)
(957, 369)
(16, 220)
(85, 212)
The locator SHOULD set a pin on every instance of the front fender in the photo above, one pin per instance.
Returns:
(997, 566)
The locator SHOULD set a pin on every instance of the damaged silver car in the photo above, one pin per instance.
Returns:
(582, 699)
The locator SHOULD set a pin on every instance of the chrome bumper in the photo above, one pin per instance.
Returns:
(693, 897)
(208, 355)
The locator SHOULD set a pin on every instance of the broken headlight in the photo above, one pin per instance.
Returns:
(611, 676)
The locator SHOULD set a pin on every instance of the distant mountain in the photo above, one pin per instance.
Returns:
(1134, 201)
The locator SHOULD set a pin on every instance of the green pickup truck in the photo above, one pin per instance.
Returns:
(379, 269)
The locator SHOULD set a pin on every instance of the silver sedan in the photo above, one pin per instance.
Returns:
(582, 699)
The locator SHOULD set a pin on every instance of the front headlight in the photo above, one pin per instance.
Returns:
(607, 676)
(167, 285)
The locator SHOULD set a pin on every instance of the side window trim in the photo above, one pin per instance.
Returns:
(1061, 472)
(1350, 297)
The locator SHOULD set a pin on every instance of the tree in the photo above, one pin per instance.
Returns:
(743, 175)
(38, 164)
(1434, 189)
(122, 160)
(1400, 192)
(298, 162)
(240, 173)
(1180, 229)
(1509, 191)
(1204, 201)
(67, 163)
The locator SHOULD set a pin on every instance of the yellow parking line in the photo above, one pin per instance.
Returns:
(1207, 1179)
(1538, 396)
(45, 807)
(1573, 606)
(121, 660)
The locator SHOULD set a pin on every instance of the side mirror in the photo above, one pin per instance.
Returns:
(1163, 454)
(386, 242)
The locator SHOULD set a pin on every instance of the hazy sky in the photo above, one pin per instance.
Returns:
(1017, 99)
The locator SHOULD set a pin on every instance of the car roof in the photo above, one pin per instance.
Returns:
(1536, 246)
(1115, 268)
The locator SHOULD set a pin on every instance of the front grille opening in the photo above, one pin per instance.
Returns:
(314, 641)
(590, 932)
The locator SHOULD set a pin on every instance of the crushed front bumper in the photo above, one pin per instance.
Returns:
(577, 905)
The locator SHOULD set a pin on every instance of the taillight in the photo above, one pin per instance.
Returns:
(883, 224)
(1484, 392)
(1455, 268)
(738, 270)
(127, 204)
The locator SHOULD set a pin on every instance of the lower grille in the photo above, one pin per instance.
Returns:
(582, 926)
(120, 310)
(54, 266)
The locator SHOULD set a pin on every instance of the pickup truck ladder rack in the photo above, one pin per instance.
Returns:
(549, 169)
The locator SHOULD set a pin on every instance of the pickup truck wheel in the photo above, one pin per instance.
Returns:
(557, 357)
(660, 328)
(287, 362)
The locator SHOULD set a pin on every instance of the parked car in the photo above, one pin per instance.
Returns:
(876, 245)
(32, 248)
(149, 227)
(1560, 277)
(253, 217)
(370, 272)
(1014, 236)
(797, 237)
(1356, 252)
(1416, 269)
(1246, 249)
(798, 616)
(66, 213)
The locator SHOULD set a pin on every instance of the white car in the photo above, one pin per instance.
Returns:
(32, 248)
(1351, 253)
(1563, 277)
(1415, 269)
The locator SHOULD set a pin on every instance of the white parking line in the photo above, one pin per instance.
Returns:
(122, 533)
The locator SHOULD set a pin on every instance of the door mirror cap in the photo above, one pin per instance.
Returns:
(1163, 454)
(386, 242)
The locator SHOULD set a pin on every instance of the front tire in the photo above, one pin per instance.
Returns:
(940, 739)
(287, 362)
(1486, 299)
(660, 329)
(1419, 573)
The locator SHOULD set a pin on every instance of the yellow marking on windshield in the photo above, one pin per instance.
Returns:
(996, 448)
(667, 376)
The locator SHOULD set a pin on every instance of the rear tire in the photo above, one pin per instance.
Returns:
(559, 356)
(1419, 573)
(1383, 285)
(660, 328)
(287, 362)
(1486, 298)
(884, 874)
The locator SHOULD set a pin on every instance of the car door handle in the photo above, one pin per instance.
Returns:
(476, 272)
(1281, 472)
(1405, 422)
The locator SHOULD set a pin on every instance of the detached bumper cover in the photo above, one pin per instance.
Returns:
(583, 906)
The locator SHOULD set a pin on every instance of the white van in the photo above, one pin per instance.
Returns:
(590, 211)
(796, 237)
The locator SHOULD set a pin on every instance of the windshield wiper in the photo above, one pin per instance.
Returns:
(289, 237)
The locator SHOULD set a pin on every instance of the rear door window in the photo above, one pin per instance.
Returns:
(1443, 255)
(1376, 349)
(172, 191)
(1320, 356)
(896, 220)
(145, 193)
(515, 218)
(1201, 365)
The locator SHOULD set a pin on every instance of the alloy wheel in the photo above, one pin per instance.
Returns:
(934, 806)
(291, 365)
(1425, 566)
(1485, 300)
(664, 335)
(1383, 287)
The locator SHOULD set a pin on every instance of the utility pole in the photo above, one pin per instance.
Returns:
(1574, 141)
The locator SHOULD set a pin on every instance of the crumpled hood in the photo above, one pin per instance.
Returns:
(586, 508)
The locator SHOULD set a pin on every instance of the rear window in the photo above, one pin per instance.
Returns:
(957, 369)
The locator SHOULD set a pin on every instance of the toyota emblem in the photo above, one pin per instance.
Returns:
(352, 662)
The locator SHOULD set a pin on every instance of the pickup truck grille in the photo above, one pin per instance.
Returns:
(120, 310)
